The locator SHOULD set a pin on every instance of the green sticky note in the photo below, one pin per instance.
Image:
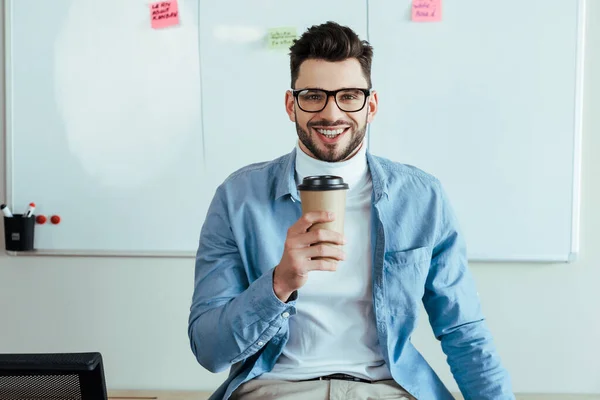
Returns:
(281, 38)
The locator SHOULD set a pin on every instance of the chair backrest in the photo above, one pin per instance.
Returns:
(57, 376)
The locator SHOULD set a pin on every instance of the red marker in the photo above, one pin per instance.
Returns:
(29, 211)
(55, 219)
(41, 219)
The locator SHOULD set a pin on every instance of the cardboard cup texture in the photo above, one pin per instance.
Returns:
(324, 193)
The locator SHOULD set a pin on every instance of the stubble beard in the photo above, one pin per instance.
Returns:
(330, 154)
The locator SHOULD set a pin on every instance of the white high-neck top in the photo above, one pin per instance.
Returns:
(334, 328)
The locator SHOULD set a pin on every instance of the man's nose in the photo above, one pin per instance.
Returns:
(332, 111)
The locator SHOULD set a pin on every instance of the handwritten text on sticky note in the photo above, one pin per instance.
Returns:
(164, 14)
(281, 38)
(427, 10)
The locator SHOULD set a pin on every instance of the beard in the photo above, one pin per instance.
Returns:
(330, 154)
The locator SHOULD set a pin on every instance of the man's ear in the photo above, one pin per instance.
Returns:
(289, 105)
(372, 106)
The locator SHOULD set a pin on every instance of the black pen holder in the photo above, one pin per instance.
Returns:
(18, 232)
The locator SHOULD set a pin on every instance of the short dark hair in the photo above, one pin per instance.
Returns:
(330, 42)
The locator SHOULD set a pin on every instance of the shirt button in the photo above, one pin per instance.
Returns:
(285, 315)
(261, 343)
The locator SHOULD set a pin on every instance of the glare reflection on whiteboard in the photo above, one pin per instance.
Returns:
(128, 95)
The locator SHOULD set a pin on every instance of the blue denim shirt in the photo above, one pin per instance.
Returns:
(236, 321)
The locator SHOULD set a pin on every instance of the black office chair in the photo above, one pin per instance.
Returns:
(55, 376)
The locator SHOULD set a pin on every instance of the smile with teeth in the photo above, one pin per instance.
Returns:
(331, 133)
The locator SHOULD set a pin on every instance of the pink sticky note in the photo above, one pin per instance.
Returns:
(427, 10)
(164, 13)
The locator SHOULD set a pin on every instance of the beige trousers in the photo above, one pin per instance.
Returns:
(267, 389)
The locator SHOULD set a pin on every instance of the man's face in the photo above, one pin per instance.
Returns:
(331, 134)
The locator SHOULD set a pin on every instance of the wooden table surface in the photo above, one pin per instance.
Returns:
(200, 395)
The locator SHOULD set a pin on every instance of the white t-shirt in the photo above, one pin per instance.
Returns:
(334, 328)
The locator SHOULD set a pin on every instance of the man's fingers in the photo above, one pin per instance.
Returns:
(324, 250)
(309, 219)
(323, 265)
(319, 236)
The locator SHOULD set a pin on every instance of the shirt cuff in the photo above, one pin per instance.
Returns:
(264, 300)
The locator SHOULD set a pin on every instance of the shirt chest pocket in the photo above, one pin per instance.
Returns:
(404, 274)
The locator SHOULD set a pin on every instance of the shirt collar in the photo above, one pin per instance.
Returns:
(287, 184)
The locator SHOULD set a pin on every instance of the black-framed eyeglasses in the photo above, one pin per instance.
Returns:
(347, 99)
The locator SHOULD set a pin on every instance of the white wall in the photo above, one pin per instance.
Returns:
(545, 318)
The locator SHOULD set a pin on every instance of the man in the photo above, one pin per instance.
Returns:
(294, 327)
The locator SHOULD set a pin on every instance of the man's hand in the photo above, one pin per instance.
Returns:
(299, 249)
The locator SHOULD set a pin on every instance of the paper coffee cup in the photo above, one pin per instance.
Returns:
(324, 193)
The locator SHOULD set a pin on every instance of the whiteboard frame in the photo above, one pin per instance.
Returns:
(8, 152)
(8, 156)
(577, 146)
(577, 156)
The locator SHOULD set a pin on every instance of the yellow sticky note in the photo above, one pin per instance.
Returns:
(281, 38)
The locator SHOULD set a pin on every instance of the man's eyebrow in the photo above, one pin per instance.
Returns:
(320, 88)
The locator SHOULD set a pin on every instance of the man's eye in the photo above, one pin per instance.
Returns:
(312, 97)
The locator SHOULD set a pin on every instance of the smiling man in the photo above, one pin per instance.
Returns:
(291, 325)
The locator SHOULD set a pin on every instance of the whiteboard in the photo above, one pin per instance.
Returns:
(489, 102)
(104, 125)
(126, 131)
